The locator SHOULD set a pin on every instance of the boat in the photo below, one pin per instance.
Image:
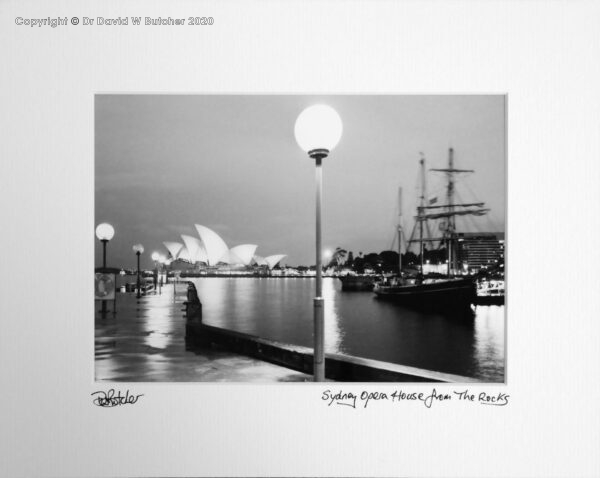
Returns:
(358, 282)
(490, 292)
(448, 293)
(452, 291)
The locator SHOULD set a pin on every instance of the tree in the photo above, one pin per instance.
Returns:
(436, 256)
(337, 258)
(359, 263)
(390, 261)
(409, 258)
(373, 260)
(350, 260)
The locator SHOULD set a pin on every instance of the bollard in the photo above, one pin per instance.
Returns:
(193, 306)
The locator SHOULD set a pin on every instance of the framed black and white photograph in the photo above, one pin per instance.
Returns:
(312, 239)
(209, 201)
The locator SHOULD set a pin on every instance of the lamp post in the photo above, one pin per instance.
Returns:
(138, 249)
(155, 257)
(318, 130)
(122, 274)
(105, 233)
(162, 260)
(167, 264)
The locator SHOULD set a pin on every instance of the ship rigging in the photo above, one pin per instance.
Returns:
(448, 212)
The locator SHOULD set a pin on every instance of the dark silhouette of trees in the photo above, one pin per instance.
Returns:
(350, 260)
(436, 256)
(410, 259)
(384, 261)
(373, 261)
(337, 259)
(359, 263)
(390, 261)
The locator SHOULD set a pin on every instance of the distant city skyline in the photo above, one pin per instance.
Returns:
(231, 163)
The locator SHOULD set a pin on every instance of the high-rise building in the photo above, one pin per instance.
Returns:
(480, 250)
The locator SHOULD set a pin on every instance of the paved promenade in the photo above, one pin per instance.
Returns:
(145, 342)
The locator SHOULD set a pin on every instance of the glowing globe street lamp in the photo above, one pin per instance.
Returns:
(138, 249)
(318, 130)
(105, 232)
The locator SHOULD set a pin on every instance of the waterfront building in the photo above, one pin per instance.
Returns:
(478, 251)
(429, 268)
(284, 272)
(209, 254)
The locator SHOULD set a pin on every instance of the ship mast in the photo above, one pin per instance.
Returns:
(447, 211)
(421, 218)
(420, 211)
(450, 229)
(400, 232)
(450, 214)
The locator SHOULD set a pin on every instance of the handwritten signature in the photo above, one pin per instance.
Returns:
(114, 399)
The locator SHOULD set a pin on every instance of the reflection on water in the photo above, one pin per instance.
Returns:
(489, 337)
(159, 331)
(144, 335)
(358, 324)
(333, 335)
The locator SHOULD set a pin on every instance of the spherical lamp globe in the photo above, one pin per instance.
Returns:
(138, 248)
(105, 231)
(155, 256)
(318, 127)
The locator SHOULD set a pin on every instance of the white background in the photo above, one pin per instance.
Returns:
(545, 55)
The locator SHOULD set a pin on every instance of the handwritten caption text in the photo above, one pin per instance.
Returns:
(428, 399)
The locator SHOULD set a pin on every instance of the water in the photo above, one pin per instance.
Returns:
(356, 323)
(145, 342)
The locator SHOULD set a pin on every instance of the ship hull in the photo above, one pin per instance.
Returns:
(489, 300)
(490, 292)
(357, 283)
(444, 294)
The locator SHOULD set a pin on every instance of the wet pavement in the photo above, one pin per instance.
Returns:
(145, 342)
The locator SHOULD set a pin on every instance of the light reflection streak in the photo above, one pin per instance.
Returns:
(333, 336)
(156, 315)
(489, 337)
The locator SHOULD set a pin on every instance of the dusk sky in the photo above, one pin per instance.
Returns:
(231, 163)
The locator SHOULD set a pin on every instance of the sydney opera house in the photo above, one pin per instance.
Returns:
(208, 253)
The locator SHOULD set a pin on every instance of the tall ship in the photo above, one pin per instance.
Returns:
(452, 290)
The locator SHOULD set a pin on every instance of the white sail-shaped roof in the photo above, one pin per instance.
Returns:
(174, 248)
(272, 261)
(195, 249)
(259, 261)
(229, 259)
(184, 255)
(242, 254)
(215, 247)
